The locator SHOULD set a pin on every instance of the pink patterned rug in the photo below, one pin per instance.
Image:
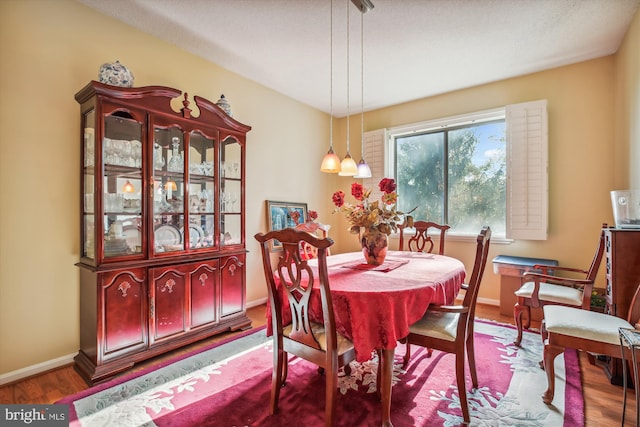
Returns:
(229, 385)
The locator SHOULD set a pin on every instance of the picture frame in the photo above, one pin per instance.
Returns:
(279, 217)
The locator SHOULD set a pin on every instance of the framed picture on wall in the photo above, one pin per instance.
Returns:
(280, 215)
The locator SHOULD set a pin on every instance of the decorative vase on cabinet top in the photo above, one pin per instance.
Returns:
(116, 74)
(224, 104)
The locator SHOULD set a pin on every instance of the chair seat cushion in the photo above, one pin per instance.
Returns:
(553, 293)
(437, 324)
(584, 324)
(318, 331)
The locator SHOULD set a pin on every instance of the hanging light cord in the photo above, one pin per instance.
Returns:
(331, 81)
(348, 145)
(362, 83)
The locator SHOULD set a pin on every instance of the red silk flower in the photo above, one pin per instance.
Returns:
(387, 185)
(357, 191)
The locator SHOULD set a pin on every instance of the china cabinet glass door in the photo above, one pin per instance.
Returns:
(88, 184)
(122, 185)
(231, 192)
(168, 190)
(201, 191)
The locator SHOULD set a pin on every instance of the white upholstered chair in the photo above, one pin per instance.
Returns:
(540, 289)
(591, 331)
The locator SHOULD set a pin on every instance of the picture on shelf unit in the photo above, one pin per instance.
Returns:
(279, 217)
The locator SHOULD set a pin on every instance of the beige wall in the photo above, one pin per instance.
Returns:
(626, 140)
(50, 50)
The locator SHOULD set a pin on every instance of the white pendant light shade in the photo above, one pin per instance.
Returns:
(364, 171)
(330, 162)
(348, 166)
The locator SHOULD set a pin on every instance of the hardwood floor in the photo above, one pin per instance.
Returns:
(603, 401)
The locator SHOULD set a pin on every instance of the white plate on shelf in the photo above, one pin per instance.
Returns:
(167, 234)
(195, 235)
(133, 236)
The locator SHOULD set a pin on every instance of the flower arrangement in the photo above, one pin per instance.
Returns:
(295, 216)
(310, 225)
(380, 215)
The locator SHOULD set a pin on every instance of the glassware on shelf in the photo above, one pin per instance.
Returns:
(175, 162)
(113, 202)
(158, 159)
(233, 198)
(136, 153)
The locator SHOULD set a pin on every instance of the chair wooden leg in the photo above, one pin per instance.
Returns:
(407, 356)
(550, 353)
(347, 370)
(379, 373)
(331, 396)
(517, 317)
(462, 386)
(276, 379)
(471, 357)
(285, 367)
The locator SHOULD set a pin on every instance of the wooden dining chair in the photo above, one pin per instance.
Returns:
(291, 285)
(450, 328)
(421, 240)
(542, 288)
(589, 331)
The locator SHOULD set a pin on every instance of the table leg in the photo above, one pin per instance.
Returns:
(385, 385)
(624, 379)
(635, 383)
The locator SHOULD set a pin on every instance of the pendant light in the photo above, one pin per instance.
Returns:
(364, 171)
(331, 162)
(128, 187)
(348, 166)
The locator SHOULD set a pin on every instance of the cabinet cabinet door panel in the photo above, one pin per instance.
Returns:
(124, 315)
(232, 284)
(203, 294)
(168, 302)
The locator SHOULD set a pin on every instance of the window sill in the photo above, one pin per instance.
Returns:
(459, 237)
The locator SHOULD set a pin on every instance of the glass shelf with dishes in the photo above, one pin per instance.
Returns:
(231, 197)
(88, 184)
(122, 185)
(168, 235)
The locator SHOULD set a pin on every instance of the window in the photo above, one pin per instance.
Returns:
(486, 168)
(454, 175)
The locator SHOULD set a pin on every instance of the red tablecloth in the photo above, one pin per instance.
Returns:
(375, 307)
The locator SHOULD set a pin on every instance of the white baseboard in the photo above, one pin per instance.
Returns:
(260, 301)
(488, 301)
(36, 369)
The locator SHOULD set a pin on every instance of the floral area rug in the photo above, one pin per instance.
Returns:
(230, 385)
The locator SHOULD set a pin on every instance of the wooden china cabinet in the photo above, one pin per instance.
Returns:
(622, 268)
(162, 225)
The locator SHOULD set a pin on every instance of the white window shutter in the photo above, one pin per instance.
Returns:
(527, 164)
(374, 155)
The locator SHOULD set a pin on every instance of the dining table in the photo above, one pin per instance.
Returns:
(374, 305)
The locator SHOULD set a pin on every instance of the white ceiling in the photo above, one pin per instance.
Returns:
(412, 48)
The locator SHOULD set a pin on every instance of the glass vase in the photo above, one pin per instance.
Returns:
(175, 163)
(374, 246)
